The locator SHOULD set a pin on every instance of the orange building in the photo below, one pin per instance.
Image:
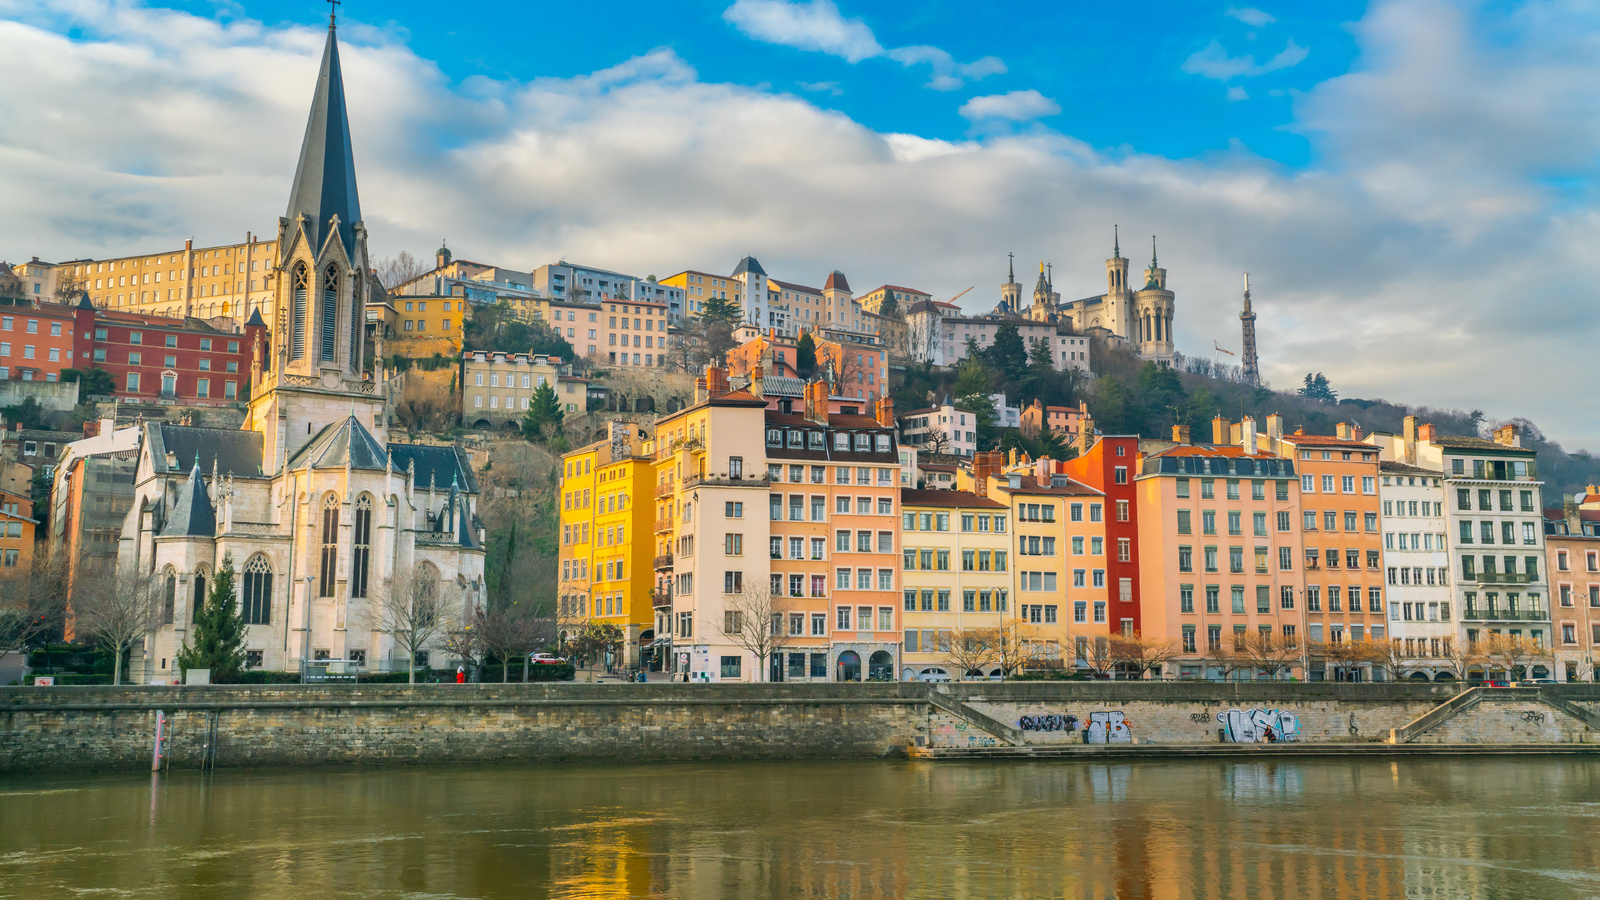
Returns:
(17, 526)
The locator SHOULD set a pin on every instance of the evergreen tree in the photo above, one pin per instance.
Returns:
(1039, 358)
(721, 309)
(544, 414)
(1008, 356)
(805, 355)
(218, 631)
(1318, 388)
(890, 307)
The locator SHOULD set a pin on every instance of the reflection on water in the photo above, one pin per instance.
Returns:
(1306, 829)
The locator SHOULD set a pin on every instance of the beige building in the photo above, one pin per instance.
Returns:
(227, 280)
(955, 583)
(497, 388)
(633, 333)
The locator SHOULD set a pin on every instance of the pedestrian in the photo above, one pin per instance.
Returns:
(461, 674)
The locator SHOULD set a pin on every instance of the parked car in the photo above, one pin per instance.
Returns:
(1533, 681)
(545, 659)
(933, 677)
(1497, 684)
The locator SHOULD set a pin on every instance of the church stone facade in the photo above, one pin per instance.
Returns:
(319, 511)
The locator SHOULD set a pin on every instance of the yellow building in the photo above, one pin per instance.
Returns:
(606, 538)
(955, 582)
(229, 280)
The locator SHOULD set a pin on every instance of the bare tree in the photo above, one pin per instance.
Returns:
(1265, 652)
(414, 609)
(842, 366)
(508, 630)
(68, 285)
(922, 334)
(398, 269)
(1459, 658)
(1100, 657)
(1391, 655)
(1511, 653)
(1136, 653)
(425, 407)
(33, 607)
(753, 619)
(1017, 647)
(969, 650)
(119, 609)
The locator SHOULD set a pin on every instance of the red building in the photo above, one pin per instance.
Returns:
(161, 358)
(1109, 466)
(36, 342)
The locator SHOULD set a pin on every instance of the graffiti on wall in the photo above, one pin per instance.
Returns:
(1108, 728)
(1259, 726)
(1047, 722)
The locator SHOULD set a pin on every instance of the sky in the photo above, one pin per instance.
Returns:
(1409, 183)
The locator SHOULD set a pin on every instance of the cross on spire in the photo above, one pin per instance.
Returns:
(332, 9)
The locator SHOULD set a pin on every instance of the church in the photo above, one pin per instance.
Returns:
(1138, 318)
(320, 512)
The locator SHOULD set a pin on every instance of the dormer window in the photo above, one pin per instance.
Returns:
(863, 442)
(882, 441)
(841, 440)
(796, 439)
(774, 437)
(816, 440)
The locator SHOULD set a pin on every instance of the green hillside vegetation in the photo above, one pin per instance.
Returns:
(1129, 396)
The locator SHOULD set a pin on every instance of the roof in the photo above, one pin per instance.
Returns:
(836, 282)
(963, 499)
(1326, 440)
(229, 451)
(339, 444)
(325, 177)
(795, 287)
(748, 264)
(1216, 450)
(255, 318)
(896, 287)
(1390, 467)
(1031, 485)
(192, 514)
(435, 465)
(1472, 443)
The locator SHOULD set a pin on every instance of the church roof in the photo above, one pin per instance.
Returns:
(346, 442)
(749, 264)
(228, 450)
(836, 282)
(325, 178)
(192, 514)
(443, 465)
(255, 318)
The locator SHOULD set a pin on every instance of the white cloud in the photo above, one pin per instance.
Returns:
(815, 25)
(1237, 93)
(1015, 106)
(1431, 255)
(818, 25)
(1214, 62)
(1255, 18)
(822, 87)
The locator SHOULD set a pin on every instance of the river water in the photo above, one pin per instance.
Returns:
(1476, 828)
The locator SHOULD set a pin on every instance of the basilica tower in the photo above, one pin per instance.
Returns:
(1151, 331)
(1117, 303)
(315, 372)
(1011, 291)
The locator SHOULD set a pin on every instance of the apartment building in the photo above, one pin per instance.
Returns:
(1572, 544)
(227, 280)
(497, 388)
(579, 323)
(1340, 537)
(574, 283)
(17, 526)
(634, 334)
(1495, 522)
(1109, 465)
(606, 543)
(956, 582)
(942, 430)
(1416, 565)
(937, 337)
(822, 471)
(1036, 418)
(1219, 567)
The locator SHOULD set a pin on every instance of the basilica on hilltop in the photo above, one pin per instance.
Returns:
(322, 515)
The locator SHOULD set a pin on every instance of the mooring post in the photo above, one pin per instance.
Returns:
(161, 727)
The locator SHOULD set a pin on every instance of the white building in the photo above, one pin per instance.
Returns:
(936, 331)
(944, 429)
(587, 284)
(1416, 562)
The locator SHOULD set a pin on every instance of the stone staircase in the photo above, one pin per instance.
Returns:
(1435, 719)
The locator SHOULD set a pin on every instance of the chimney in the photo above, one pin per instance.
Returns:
(1219, 430)
(816, 397)
(1085, 436)
(1247, 435)
(1341, 430)
(758, 383)
(984, 464)
(884, 412)
(1180, 434)
(716, 381)
(1355, 432)
(1426, 433)
(1570, 512)
(1408, 436)
(1275, 426)
(1041, 470)
(1233, 433)
(1508, 435)
(1013, 457)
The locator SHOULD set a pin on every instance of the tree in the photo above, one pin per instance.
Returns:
(596, 640)
(118, 609)
(1460, 658)
(1017, 647)
(1040, 358)
(1390, 654)
(398, 269)
(1136, 654)
(1100, 657)
(753, 619)
(33, 606)
(1007, 354)
(1512, 652)
(422, 407)
(805, 355)
(721, 309)
(219, 631)
(970, 650)
(1318, 388)
(973, 377)
(68, 286)
(514, 630)
(544, 416)
(95, 381)
(413, 609)
(465, 642)
(1265, 652)
(29, 414)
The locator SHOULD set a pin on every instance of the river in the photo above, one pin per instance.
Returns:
(1426, 828)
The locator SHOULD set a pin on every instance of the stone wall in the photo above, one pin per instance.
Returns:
(112, 728)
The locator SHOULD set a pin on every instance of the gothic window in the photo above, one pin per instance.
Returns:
(361, 540)
(330, 313)
(297, 327)
(355, 323)
(199, 600)
(425, 593)
(169, 596)
(330, 545)
(258, 591)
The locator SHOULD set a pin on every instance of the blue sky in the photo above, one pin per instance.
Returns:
(1408, 182)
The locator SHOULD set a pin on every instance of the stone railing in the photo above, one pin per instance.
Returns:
(258, 528)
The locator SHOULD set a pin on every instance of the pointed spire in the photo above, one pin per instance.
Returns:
(1116, 243)
(1011, 267)
(1152, 251)
(325, 178)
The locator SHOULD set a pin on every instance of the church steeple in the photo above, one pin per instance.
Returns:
(325, 179)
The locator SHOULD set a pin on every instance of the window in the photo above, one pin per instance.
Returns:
(330, 543)
(257, 594)
(362, 546)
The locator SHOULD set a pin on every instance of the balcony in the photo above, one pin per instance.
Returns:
(664, 524)
(664, 561)
(660, 598)
(723, 480)
(665, 490)
(1501, 614)
(1500, 578)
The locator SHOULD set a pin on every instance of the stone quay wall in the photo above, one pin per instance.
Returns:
(85, 728)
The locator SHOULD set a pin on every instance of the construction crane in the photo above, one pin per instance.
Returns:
(959, 296)
(1220, 349)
